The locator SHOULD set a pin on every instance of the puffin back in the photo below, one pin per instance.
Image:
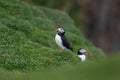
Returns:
(66, 43)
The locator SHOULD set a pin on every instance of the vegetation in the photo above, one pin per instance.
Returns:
(27, 38)
(28, 50)
(103, 70)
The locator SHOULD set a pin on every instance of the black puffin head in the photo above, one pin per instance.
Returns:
(82, 51)
(60, 31)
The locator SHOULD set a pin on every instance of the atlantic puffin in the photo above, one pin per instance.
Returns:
(62, 41)
(82, 54)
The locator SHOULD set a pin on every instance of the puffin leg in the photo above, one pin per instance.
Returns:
(62, 51)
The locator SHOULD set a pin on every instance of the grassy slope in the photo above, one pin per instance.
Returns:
(103, 70)
(27, 37)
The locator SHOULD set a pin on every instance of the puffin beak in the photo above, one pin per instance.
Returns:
(57, 30)
(86, 52)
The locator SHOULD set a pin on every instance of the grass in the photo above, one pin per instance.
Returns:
(27, 38)
(103, 70)
(28, 50)
(107, 69)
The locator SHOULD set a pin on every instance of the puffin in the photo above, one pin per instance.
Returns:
(62, 41)
(82, 54)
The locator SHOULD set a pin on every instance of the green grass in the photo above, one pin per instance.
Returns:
(28, 50)
(102, 70)
(27, 38)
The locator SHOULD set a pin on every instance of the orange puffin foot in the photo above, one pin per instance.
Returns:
(62, 51)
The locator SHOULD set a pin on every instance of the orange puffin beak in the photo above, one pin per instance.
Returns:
(57, 30)
(86, 52)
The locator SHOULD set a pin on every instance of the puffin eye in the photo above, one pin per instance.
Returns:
(61, 29)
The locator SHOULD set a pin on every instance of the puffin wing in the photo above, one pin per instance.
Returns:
(66, 43)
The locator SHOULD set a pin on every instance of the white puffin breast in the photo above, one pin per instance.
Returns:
(82, 57)
(58, 41)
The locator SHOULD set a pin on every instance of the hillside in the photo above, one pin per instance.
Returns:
(27, 38)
